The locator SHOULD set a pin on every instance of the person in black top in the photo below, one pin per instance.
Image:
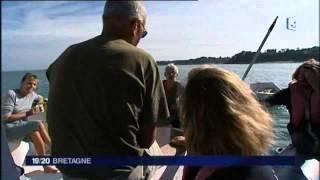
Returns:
(302, 99)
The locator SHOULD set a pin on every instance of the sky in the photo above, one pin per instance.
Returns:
(35, 33)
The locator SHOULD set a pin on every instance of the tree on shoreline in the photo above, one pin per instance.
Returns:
(244, 57)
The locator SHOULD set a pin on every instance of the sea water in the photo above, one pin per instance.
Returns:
(278, 73)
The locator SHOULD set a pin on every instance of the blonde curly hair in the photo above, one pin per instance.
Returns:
(221, 116)
(308, 73)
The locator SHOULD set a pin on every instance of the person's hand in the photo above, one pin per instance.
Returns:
(31, 112)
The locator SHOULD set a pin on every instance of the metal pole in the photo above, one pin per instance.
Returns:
(259, 49)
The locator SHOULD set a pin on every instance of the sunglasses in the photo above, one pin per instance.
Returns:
(144, 33)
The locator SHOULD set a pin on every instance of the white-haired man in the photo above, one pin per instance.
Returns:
(106, 96)
(173, 90)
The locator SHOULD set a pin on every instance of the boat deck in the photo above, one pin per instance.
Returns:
(309, 168)
(160, 147)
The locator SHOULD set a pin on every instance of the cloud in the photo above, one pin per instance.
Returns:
(223, 28)
(35, 33)
(34, 38)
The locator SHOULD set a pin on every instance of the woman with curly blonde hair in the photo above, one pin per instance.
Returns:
(221, 116)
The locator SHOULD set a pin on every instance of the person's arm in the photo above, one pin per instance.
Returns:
(279, 98)
(8, 106)
(148, 135)
(155, 106)
(180, 91)
(20, 115)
